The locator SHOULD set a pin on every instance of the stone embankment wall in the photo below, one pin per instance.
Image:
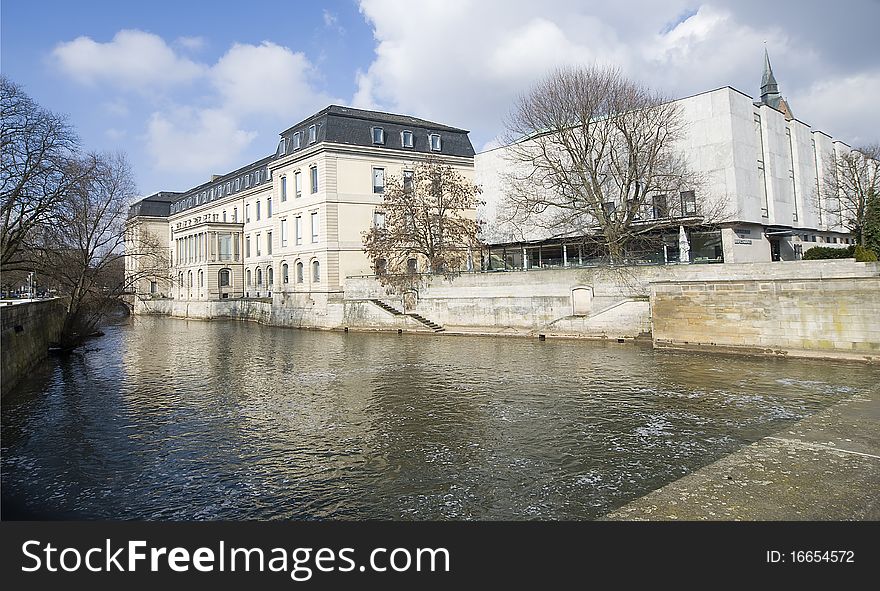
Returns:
(798, 317)
(583, 303)
(27, 330)
(590, 303)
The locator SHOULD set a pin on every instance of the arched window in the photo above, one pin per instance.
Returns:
(259, 276)
(285, 278)
(412, 266)
(270, 275)
(224, 278)
(189, 279)
(201, 279)
(316, 271)
(381, 266)
(299, 272)
(248, 276)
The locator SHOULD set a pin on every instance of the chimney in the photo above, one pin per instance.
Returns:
(214, 177)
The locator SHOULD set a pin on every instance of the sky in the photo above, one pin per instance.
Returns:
(192, 88)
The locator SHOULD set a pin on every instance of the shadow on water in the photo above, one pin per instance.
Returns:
(174, 419)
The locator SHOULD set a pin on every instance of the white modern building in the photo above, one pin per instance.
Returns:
(765, 164)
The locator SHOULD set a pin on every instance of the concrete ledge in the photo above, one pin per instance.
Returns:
(837, 354)
(825, 467)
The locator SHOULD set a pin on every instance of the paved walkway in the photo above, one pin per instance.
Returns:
(825, 467)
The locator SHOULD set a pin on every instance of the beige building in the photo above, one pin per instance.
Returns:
(290, 226)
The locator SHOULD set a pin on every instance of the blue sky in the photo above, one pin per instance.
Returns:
(188, 89)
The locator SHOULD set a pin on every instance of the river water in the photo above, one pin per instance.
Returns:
(175, 419)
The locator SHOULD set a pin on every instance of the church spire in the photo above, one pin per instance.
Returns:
(770, 94)
(768, 81)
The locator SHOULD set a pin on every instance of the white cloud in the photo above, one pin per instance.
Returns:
(838, 106)
(331, 21)
(191, 43)
(190, 140)
(464, 62)
(114, 134)
(133, 60)
(264, 85)
(268, 79)
(117, 108)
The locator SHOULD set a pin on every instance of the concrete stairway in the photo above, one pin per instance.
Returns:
(417, 317)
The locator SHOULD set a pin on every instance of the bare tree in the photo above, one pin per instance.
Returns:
(594, 155)
(854, 179)
(425, 215)
(83, 250)
(36, 172)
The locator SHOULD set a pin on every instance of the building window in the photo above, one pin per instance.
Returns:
(688, 203)
(316, 272)
(791, 174)
(201, 278)
(407, 181)
(762, 176)
(259, 276)
(660, 209)
(249, 277)
(224, 277)
(412, 266)
(378, 180)
(268, 207)
(270, 276)
(283, 233)
(434, 141)
(297, 183)
(247, 246)
(378, 135)
(314, 218)
(258, 211)
(189, 279)
(379, 219)
(247, 213)
(285, 278)
(406, 139)
(154, 287)
(313, 171)
(297, 140)
(224, 215)
(297, 230)
(257, 242)
(268, 242)
(284, 188)
(313, 134)
(381, 266)
(234, 214)
(299, 272)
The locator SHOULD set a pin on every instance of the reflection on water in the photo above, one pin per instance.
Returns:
(172, 419)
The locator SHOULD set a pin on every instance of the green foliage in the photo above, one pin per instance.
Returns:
(827, 252)
(864, 255)
(872, 222)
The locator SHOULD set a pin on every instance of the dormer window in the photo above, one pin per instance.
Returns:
(434, 141)
(313, 134)
(378, 135)
(406, 139)
(297, 140)
(280, 151)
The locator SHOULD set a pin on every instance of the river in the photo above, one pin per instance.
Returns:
(186, 420)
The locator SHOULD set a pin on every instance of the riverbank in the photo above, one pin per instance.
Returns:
(816, 309)
(27, 330)
(825, 467)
